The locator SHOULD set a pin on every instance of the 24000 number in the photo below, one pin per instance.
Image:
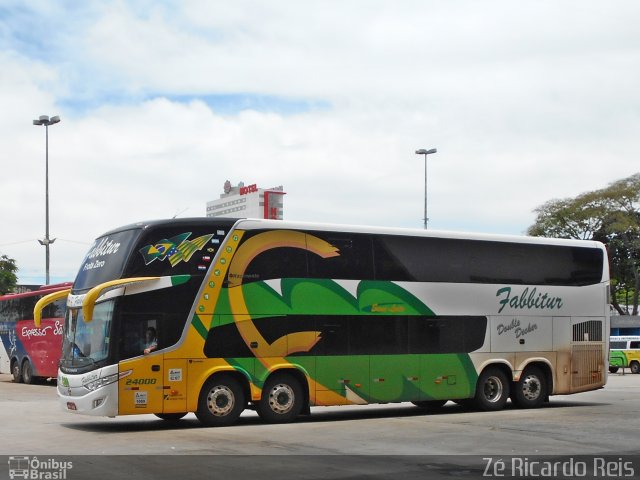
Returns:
(141, 381)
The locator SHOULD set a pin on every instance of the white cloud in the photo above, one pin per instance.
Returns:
(524, 102)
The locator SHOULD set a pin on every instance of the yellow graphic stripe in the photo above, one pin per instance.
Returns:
(272, 355)
(212, 289)
(275, 239)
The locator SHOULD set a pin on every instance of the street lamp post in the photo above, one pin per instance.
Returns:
(424, 152)
(46, 121)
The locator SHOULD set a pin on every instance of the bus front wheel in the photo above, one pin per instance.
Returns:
(531, 390)
(282, 399)
(221, 401)
(613, 369)
(492, 390)
(634, 367)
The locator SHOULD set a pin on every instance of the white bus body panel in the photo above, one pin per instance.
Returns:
(76, 398)
(483, 299)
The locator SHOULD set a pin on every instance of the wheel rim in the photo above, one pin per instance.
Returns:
(531, 387)
(16, 371)
(281, 399)
(493, 389)
(220, 400)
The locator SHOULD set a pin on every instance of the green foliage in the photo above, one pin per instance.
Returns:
(610, 215)
(579, 217)
(8, 278)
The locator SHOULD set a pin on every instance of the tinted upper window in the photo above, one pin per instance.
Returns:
(159, 251)
(282, 262)
(354, 259)
(176, 250)
(106, 259)
(425, 259)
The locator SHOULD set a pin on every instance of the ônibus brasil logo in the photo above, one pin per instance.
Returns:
(38, 469)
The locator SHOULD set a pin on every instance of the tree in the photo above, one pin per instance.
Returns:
(610, 215)
(579, 217)
(8, 279)
(622, 236)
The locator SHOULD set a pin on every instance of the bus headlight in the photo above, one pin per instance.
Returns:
(100, 382)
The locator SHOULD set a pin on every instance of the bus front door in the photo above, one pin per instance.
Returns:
(141, 390)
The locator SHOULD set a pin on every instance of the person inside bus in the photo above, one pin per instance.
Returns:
(151, 341)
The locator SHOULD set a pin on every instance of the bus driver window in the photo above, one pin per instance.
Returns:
(151, 340)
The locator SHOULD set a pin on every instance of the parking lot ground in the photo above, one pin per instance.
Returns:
(596, 424)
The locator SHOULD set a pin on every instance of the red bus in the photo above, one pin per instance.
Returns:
(26, 351)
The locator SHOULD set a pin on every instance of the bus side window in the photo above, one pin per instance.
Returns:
(334, 335)
(635, 344)
(388, 263)
(384, 335)
(354, 259)
(281, 262)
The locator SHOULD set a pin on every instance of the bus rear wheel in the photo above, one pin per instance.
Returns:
(16, 372)
(27, 372)
(221, 401)
(282, 399)
(634, 367)
(531, 390)
(492, 390)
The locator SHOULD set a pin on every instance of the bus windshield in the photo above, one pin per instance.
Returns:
(85, 343)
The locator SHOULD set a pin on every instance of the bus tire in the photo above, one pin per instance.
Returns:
(221, 401)
(16, 371)
(430, 405)
(27, 372)
(634, 367)
(531, 390)
(492, 390)
(613, 369)
(282, 399)
(170, 417)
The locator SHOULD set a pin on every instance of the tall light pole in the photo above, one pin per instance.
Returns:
(46, 121)
(424, 152)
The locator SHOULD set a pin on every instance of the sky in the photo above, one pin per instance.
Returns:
(163, 101)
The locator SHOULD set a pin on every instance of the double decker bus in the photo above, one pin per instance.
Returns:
(282, 316)
(28, 351)
(624, 353)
